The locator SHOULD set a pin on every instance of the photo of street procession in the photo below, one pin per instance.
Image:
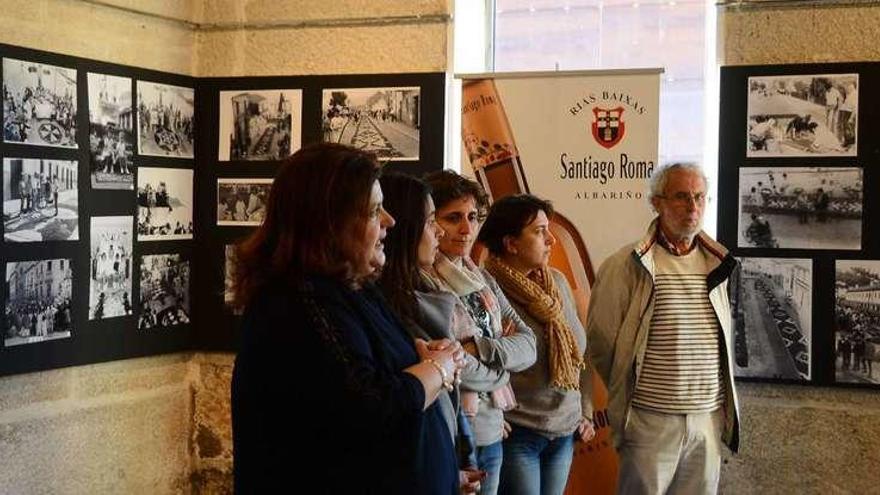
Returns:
(857, 321)
(772, 306)
(39, 104)
(164, 291)
(111, 132)
(110, 267)
(40, 200)
(260, 124)
(165, 120)
(384, 121)
(165, 204)
(804, 115)
(38, 301)
(800, 207)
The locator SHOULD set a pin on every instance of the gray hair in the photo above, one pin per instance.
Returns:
(660, 176)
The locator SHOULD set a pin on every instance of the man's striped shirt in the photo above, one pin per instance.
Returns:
(681, 371)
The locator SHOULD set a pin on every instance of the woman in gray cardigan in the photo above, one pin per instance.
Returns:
(538, 451)
(496, 338)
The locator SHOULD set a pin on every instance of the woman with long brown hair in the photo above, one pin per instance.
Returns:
(428, 313)
(328, 388)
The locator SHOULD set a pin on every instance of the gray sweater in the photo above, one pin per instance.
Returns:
(498, 357)
(435, 311)
(549, 411)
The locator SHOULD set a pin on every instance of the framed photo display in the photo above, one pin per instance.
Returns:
(796, 175)
(72, 164)
(115, 176)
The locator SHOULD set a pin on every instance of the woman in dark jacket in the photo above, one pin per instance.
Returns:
(328, 389)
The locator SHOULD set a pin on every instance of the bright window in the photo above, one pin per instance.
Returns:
(677, 35)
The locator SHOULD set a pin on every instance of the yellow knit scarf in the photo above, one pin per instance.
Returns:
(541, 298)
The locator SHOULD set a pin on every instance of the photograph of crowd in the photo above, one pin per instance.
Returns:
(165, 204)
(38, 301)
(260, 124)
(110, 267)
(384, 121)
(165, 120)
(40, 200)
(39, 104)
(800, 207)
(242, 202)
(164, 291)
(804, 115)
(772, 305)
(111, 132)
(857, 321)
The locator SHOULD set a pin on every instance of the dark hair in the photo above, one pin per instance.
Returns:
(447, 186)
(508, 216)
(405, 200)
(316, 210)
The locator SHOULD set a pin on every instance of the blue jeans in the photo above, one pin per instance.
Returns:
(489, 460)
(535, 464)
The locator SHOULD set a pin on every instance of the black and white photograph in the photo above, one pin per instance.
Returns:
(111, 132)
(165, 204)
(857, 321)
(39, 104)
(384, 121)
(110, 267)
(164, 291)
(803, 115)
(38, 301)
(772, 305)
(165, 120)
(260, 124)
(242, 202)
(40, 200)
(800, 208)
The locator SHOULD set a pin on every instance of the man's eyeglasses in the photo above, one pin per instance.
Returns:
(683, 198)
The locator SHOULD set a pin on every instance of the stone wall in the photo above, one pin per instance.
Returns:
(787, 35)
(307, 37)
(124, 426)
(803, 439)
(91, 30)
(119, 427)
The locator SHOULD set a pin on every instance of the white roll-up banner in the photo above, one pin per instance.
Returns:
(588, 142)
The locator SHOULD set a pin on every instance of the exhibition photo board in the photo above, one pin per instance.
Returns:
(125, 190)
(797, 169)
(80, 138)
(253, 123)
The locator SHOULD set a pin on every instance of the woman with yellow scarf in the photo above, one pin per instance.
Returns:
(539, 448)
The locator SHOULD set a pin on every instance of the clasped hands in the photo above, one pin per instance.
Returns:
(447, 354)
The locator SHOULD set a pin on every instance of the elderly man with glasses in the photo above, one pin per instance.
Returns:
(660, 336)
